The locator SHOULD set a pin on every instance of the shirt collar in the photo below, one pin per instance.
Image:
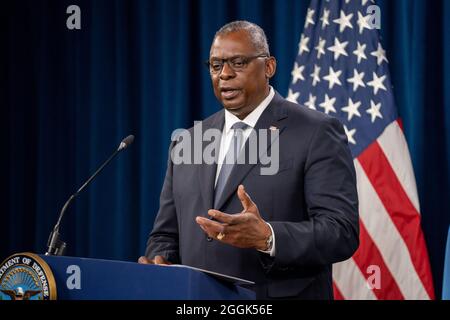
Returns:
(253, 116)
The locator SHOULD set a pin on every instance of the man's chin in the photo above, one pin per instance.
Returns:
(233, 105)
(234, 109)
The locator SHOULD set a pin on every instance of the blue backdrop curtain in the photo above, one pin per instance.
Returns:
(68, 97)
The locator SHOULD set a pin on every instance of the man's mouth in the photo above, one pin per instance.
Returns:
(229, 93)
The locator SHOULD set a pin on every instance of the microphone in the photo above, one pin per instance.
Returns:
(56, 247)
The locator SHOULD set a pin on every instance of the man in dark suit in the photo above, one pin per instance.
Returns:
(284, 230)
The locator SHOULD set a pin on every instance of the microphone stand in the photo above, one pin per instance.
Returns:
(57, 247)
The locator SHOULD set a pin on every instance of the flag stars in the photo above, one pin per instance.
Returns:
(320, 47)
(357, 80)
(309, 18)
(344, 21)
(359, 52)
(377, 83)
(374, 111)
(338, 48)
(297, 73)
(380, 53)
(339, 75)
(325, 18)
(333, 78)
(293, 96)
(311, 103)
(303, 45)
(315, 75)
(328, 104)
(363, 22)
(350, 134)
(352, 109)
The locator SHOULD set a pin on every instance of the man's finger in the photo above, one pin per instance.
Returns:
(160, 260)
(244, 197)
(211, 227)
(222, 217)
(203, 228)
(209, 233)
(144, 260)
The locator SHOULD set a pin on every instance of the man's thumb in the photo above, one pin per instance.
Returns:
(244, 197)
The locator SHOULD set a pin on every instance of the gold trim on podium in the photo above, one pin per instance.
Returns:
(45, 267)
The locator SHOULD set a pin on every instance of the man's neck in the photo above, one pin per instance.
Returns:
(252, 118)
(244, 115)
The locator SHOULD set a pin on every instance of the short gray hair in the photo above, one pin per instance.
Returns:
(256, 33)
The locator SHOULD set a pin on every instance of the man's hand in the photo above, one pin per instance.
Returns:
(155, 260)
(244, 230)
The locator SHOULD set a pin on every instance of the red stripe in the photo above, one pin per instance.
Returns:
(400, 124)
(402, 212)
(368, 255)
(337, 293)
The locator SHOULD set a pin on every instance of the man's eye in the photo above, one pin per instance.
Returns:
(238, 62)
(216, 65)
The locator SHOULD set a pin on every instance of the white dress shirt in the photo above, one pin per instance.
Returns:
(227, 136)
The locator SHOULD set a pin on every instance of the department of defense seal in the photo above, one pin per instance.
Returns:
(25, 276)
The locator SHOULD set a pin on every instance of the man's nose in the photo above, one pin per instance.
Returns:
(227, 72)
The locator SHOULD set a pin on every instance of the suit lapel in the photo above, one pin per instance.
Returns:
(207, 172)
(272, 116)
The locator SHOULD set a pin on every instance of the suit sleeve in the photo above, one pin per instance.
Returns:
(331, 233)
(163, 239)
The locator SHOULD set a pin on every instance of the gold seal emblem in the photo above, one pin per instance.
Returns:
(25, 276)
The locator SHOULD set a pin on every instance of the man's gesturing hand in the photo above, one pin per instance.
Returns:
(244, 230)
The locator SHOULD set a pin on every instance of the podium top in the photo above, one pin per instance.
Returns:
(231, 279)
(85, 278)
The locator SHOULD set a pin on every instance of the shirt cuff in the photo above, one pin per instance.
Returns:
(271, 252)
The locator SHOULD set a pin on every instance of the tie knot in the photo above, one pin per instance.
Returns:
(239, 125)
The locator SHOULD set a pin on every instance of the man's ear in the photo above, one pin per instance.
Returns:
(271, 67)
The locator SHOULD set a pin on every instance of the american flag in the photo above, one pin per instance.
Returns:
(342, 70)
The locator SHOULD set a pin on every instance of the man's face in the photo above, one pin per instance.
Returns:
(240, 91)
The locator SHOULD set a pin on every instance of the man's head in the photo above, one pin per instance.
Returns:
(240, 67)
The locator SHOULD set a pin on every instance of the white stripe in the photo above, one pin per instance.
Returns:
(389, 241)
(393, 143)
(351, 282)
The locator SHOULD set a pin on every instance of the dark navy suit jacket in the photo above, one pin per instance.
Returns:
(311, 204)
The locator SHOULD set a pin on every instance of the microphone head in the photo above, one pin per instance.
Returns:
(126, 142)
